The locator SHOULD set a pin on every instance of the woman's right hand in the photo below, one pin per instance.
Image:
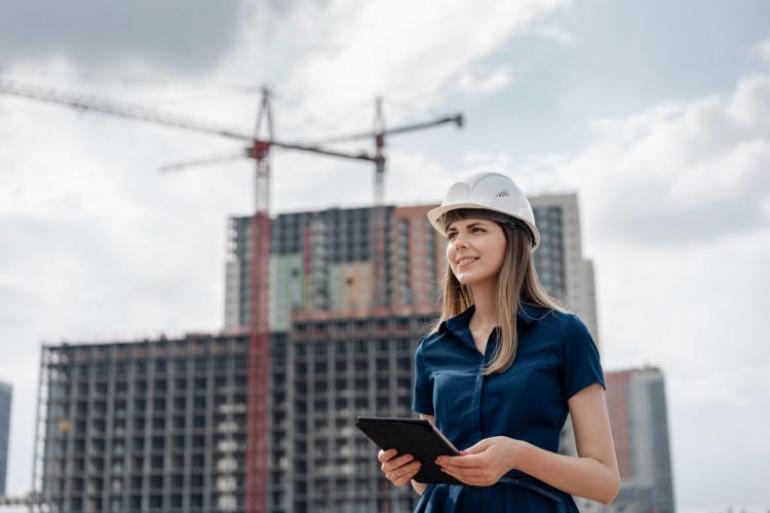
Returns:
(399, 470)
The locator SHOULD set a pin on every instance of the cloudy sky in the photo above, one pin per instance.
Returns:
(656, 113)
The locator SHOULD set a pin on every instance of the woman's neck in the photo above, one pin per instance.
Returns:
(485, 300)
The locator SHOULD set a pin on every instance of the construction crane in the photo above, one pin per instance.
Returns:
(259, 150)
(377, 222)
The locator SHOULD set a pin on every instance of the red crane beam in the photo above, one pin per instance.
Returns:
(140, 113)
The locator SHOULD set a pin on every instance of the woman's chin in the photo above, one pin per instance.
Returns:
(469, 280)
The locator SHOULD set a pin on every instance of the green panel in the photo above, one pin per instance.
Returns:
(286, 289)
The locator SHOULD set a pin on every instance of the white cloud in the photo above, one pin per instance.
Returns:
(409, 57)
(549, 30)
(555, 33)
(477, 84)
(760, 50)
(680, 174)
(477, 161)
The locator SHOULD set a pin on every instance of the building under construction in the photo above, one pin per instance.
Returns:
(162, 425)
(143, 426)
(322, 261)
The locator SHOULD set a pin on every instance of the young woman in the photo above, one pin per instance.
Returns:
(503, 367)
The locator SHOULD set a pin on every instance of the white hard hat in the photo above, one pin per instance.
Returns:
(487, 191)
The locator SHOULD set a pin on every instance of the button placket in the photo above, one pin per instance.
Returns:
(480, 387)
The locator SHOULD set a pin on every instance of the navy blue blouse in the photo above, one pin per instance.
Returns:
(556, 358)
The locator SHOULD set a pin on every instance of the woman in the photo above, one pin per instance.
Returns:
(503, 367)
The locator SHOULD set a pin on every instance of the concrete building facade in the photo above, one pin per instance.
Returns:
(340, 368)
(160, 425)
(143, 426)
(563, 268)
(636, 400)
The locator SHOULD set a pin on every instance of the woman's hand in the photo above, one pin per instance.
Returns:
(484, 463)
(398, 470)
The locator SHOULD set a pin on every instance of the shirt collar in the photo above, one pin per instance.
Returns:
(525, 315)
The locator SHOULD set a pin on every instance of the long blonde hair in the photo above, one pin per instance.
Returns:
(517, 281)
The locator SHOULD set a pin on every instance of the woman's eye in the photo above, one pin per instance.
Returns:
(451, 235)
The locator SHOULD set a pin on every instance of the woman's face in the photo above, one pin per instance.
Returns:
(475, 250)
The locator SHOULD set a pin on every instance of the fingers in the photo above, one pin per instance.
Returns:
(403, 474)
(384, 456)
(460, 462)
(395, 463)
(398, 469)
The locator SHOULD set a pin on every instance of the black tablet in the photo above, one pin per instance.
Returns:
(417, 437)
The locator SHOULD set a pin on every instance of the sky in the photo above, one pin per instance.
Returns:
(656, 113)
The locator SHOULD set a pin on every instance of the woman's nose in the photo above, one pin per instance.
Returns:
(459, 241)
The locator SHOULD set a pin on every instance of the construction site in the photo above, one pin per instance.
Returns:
(323, 312)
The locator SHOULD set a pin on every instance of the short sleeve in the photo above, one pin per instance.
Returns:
(582, 364)
(422, 398)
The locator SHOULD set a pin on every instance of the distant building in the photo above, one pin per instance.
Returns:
(6, 394)
(561, 265)
(636, 399)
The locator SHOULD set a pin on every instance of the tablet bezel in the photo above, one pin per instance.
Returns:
(430, 472)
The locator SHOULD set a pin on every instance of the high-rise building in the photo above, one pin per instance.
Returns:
(6, 394)
(561, 265)
(636, 399)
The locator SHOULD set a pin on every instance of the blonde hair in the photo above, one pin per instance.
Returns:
(517, 282)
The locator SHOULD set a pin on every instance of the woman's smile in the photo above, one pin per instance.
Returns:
(466, 261)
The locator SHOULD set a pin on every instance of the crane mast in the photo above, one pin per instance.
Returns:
(258, 394)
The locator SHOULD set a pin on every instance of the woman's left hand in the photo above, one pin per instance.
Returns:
(484, 463)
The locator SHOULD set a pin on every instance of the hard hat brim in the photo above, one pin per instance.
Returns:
(434, 215)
